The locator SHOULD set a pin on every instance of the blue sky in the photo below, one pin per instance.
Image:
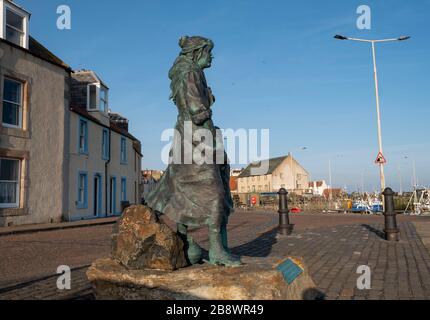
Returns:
(276, 66)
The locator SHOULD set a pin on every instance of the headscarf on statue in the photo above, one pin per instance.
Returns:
(184, 63)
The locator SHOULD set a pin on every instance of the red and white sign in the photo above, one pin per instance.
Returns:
(253, 200)
(380, 159)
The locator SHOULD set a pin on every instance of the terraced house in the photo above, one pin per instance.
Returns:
(63, 155)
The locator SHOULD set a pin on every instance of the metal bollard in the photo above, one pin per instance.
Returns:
(391, 230)
(285, 228)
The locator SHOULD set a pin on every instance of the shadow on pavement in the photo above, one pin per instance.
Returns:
(313, 294)
(259, 247)
(379, 233)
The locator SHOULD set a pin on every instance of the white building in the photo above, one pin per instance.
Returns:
(318, 187)
(283, 172)
(105, 159)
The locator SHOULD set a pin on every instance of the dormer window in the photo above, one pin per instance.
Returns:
(103, 99)
(97, 98)
(14, 28)
(15, 23)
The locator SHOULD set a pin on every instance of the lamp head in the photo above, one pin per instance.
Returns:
(403, 38)
(339, 37)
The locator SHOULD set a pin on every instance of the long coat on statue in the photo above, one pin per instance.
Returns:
(191, 193)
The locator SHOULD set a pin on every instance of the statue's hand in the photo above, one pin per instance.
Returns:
(202, 117)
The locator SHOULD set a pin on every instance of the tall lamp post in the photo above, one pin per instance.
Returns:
(373, 42)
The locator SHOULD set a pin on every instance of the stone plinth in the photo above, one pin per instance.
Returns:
(142, 241)
(257, 279)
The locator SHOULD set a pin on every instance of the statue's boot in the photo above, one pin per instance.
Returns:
(193, 251)
(217, 254)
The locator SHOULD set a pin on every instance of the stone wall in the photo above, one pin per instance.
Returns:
(41, 142)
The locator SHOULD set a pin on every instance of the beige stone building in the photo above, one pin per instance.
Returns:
(105, 159)
(283, 172)
(59, 160)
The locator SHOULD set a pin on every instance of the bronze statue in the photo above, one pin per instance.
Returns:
(195, 194)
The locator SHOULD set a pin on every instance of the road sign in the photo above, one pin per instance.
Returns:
(380, 159)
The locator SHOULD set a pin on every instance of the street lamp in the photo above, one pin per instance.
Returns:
(402, 38)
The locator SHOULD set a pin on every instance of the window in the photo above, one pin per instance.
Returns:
(97, 98)
(92, 97)
(9, 183)
(123, 150)
(82, 201)
(83, 136)
(12, 103)
(14, 27)
(123, 189)
(105, 145)
(103, 105)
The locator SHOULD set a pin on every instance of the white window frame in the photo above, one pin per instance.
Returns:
(18, 186)
(4, 5)
(21, 32)
(89, 107)
(106, 100)
(99, 88)
(21, 105)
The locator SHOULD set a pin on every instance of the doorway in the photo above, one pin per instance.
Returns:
(97, 196)
(112, 196)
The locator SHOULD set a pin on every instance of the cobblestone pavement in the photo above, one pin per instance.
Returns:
(333, 246)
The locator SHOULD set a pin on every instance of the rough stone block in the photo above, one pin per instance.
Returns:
(142, 241)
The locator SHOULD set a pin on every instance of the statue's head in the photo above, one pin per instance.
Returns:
(197, 48)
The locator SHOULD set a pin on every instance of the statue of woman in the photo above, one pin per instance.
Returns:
(195, 194)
